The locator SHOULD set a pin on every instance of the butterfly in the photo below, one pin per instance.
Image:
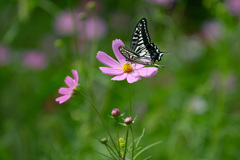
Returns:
(141, 47)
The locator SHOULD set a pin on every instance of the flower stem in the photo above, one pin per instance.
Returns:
(109, 150)
(125, 151)
(111, 153)
(132, 142)
(75, 39)
(118, 136)
(94, 107)
(130, 102)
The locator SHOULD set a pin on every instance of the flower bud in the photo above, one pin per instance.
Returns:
(128, 120)
(121, 142)
(82, 16)
(58, 43)
(116, 112)
(104, 140)
(91, 5)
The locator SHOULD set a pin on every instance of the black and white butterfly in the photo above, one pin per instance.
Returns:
(141, 47)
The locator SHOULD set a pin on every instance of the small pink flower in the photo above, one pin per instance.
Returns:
(234, 6)
(95, 28)
(68, 92)
(162, 2)
(4, 56)
(211, 30)
(66, 23)
(35, 60)
(123, 69)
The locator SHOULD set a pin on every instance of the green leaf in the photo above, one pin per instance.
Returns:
(149, 146)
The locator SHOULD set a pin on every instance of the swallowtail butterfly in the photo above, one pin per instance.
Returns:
(142, 47)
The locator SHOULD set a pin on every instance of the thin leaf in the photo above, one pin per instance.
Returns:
(149, 146)
(104, 155)
(137, 140)
(147, 157)
(140, 137)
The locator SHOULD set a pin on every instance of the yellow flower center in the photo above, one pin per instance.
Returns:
(127, 67)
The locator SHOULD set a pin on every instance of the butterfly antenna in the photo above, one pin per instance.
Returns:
(166, 52)
(158, 66)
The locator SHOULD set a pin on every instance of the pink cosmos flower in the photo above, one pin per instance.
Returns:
(68, 92)
(35, 60)
(69, 22)
(234, 6)
(64, 23)
(123, 69)
(211, 30)
(4, 55)
(162, 2)
(95, 28)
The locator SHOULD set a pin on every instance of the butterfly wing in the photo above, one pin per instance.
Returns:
(128, 53)
(132, 56)
(141, 40)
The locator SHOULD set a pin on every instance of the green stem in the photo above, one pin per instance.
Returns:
(125, 151)
(75, 39)
(110, 153)
(109, 150)
(94, 107)
(132, 142)
(118, 136)
(130, 102)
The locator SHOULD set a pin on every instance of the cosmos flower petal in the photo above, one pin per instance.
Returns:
(115, 45)
(107, 60)
(111, 71)
(120, 77)
(75, 76)
(133, 78)
(69, 82)
(63, 99)
(138, 66)
(148, 71)
(65, 91)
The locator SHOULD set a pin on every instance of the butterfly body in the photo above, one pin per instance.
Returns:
(141, 47)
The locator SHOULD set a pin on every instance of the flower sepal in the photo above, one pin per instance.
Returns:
(116, 117)
(76, 90)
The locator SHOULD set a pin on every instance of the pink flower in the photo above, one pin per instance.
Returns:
(68, 92)
(95, 28)
(162, 2)
(211, 30)
(64, 23)
(4, 56)
(123, 69)
(35, 60)
(234, 6)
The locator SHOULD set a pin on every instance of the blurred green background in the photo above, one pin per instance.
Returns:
(192, 105)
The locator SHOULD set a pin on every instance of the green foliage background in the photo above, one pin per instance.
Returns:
(192, 105)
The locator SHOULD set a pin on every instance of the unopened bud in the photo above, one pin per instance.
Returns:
(121, 142)
(115, 112)
(58, 43)
(104, 140)
(128, 120)
(91, 5)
